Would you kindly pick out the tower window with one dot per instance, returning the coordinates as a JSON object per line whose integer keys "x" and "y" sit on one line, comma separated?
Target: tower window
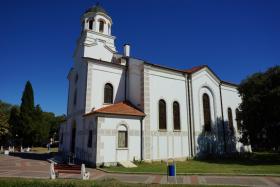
{"x": 108, "y": 93}
{"x": 90, "y": 24}
{"x": 101, "y": 26}
{"x": 206, "y": 112}
{"x": 162, "y": 114}
{"x": 176, "y": 115}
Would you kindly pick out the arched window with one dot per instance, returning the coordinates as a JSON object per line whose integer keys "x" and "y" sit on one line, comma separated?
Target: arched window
{"x": 90, "y": 24}
{"x": 162, "y": 114}
{"x": 122, "y": 137}
{"x": 108, "y": 93}
{"x": 230, "y": 120}
{"x": 101, "y": 26}
{"x": 176, "y": 116}
{"x": 75, "y": 97}
{"x": 206, "y": 112}
{"x": 238, "y": 119}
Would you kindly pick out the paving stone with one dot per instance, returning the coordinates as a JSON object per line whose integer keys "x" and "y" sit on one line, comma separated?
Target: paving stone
{"x": 232, "y": 180}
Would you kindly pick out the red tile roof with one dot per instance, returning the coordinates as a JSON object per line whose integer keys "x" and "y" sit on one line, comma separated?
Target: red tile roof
{"x": 121, "y": 108}
{"x": 194, "y": 69}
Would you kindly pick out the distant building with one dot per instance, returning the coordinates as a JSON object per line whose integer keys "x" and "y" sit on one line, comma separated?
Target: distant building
{"x": 124, "y": 108}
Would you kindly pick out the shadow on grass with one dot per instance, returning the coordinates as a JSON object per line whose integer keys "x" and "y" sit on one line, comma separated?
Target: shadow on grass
{"x": 249, "y": 159}
{"x": 33, "y": 156}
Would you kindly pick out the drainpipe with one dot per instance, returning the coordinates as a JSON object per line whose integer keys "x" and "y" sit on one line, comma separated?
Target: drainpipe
{"x": 141, "y": 138}
{"x": 190, "y": 116}
{"x": 223, "y": 121}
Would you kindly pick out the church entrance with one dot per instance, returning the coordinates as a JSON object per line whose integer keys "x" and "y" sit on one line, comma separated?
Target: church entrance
{"x": 73, "y": 138}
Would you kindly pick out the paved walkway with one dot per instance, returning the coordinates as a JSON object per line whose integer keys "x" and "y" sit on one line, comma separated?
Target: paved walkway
{"x": 36, "y": 166}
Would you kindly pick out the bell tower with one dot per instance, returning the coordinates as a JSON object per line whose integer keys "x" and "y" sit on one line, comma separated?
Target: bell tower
{"x": 96, "y": 40}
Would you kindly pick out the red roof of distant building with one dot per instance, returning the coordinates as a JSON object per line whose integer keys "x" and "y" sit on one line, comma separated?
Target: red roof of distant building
{"x": 121, "y": 108}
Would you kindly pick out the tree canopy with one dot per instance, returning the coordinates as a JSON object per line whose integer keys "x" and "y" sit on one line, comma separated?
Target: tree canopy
{"x": 27, "y": 125}
{"x": 260, "y": 109}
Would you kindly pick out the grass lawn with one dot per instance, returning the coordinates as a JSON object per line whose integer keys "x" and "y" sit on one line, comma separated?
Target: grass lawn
{"x": 16, "y": 182}
{"x": 43, "y": 149}
{"x": 257, "y": 163}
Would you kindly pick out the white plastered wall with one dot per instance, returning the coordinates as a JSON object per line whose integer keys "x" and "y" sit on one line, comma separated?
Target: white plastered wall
{"x": 169, "y": 86}
{"x": 99, "y": 75}
{"x": 107, "y": 140}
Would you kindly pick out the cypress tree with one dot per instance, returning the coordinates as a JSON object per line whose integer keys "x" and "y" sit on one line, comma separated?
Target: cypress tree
{"x": 27, "y": 99}
{"x": 26, "y": 114}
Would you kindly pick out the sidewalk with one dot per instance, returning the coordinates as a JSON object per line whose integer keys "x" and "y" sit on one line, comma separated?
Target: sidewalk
{"x": 19, "y": 166}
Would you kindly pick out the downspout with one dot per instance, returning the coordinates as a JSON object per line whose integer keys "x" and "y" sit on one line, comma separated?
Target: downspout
{"x": 141, "y": 138}
{"x": 190, "y": 116}
{"x": 223, "y": 121}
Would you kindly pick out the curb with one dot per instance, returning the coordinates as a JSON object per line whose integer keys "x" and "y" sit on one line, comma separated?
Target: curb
{"x": 199, "y": 174}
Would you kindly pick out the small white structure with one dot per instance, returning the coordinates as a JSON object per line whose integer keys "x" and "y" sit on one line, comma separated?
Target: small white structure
{"x": 121, "y": 108}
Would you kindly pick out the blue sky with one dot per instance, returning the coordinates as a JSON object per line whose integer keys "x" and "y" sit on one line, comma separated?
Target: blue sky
{"x": 37, "y": 39}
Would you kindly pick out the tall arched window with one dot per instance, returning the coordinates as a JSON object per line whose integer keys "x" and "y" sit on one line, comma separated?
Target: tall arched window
{"x": 238, "y": 119}
{"x": 162, "y": 114}
{"x": 90, "y": 24}
{"x": 230, "y": 120}
{"x": 108, "y": 93}
{"x": 206, "y": 112}
{"x": 101, "y": 26}
{"x": 176, "y": 116}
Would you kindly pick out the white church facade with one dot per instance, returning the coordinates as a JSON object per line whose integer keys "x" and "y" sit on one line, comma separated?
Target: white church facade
{"x": 121, "y": 108}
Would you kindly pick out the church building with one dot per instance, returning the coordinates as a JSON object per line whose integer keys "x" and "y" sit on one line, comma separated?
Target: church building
{"x": 122, "y": 108}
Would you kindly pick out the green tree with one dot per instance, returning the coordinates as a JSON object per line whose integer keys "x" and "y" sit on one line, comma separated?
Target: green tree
{"x": 4, "y": 125}
{"x": 40, "y": 127}
{"x": 260, "y": 109}
{"x": 15, "y": 126}
{"x": 26, "y": 113}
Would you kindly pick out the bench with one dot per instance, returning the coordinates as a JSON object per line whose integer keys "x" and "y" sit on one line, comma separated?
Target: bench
{"x": 56, "y": 169}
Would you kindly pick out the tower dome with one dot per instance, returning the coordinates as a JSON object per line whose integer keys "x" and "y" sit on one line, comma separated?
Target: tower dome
{"x": 97, "y": 8}
{"x": 96, "y": 19}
